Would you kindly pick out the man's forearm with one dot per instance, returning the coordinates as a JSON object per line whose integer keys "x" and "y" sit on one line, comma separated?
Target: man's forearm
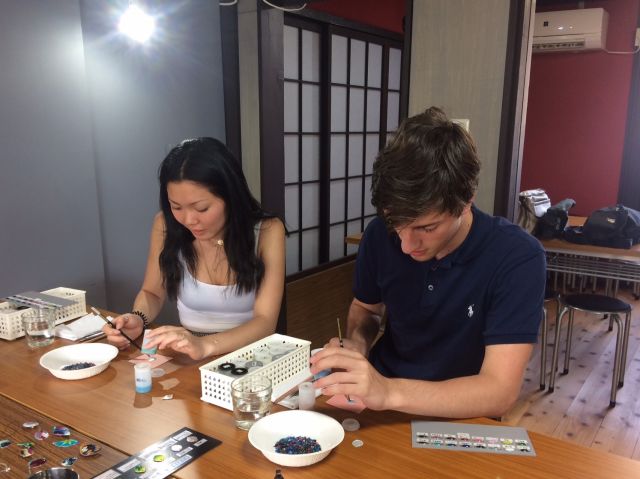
{"x": 491, "y": 392}
{"x": 471, "y": 396}
{"x": 363, "y": 326}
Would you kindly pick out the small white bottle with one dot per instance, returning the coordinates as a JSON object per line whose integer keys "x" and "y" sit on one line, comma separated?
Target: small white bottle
{"x": 143, "y": 377}
{"x": 306, "y": 396}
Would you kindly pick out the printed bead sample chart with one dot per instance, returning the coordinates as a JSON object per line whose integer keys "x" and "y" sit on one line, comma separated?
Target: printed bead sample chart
{"x": 454, "y": 436}
{"x": 164, "y": 457}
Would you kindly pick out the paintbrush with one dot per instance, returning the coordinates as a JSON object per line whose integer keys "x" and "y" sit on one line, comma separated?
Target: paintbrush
{"x": 342, "y": 346}
{"x": 106, "y": 320}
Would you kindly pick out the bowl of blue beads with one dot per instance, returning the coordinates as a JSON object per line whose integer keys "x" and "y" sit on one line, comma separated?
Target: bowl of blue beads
{"x": 78, "y": 361}
{"x": 296, "y": 438}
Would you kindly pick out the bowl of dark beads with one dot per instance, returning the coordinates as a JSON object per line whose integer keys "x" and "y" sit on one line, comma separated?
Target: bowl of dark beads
{"x": 78, "y": 361}
{"x": 296, "y": 438}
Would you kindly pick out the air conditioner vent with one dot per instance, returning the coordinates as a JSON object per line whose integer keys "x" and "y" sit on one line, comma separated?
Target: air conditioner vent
{"x": 574, "y": 45}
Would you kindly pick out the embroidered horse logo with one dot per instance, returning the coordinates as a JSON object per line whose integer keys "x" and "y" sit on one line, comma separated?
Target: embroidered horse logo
{"x": 470, "y": 310}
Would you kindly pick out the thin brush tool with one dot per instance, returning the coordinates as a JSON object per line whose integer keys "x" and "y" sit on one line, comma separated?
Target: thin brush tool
{"x": 97, "y": 313}
{"x": 342, "y": 346}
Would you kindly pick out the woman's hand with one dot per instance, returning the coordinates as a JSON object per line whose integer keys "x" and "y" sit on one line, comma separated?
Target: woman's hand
{"x": 178, "y": 339}
{"x": 129, "y": 324}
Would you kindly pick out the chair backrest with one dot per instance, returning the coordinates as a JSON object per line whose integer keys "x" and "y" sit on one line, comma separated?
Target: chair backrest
{"x": 314, "y": 302}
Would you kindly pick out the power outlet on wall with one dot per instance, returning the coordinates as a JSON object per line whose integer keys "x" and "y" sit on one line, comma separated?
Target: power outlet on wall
{"x": 463, "y": 122}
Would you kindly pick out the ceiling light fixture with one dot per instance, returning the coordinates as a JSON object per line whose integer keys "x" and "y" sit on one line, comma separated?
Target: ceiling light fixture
{"x": 136, "y": 24}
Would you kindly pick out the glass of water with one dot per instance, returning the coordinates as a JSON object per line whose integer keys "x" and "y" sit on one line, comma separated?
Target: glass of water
{"x": 38, "y": 325}
{"x": 251, "y": 398}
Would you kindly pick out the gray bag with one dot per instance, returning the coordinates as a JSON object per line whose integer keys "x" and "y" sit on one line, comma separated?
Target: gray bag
{"x": 533, "y": 205}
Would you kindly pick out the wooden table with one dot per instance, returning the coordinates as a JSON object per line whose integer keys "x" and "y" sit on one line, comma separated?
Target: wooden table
{"x": 14, "y": 415}
{"x": 106, "y": 408}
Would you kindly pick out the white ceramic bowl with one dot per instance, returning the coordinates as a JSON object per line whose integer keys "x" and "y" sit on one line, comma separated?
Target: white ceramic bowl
{"x": 264, "y": 434}
{"x": 98, "y": 353}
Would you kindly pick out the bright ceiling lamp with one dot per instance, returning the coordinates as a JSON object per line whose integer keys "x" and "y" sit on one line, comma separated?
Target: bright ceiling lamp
{"x": 136, "y": 24}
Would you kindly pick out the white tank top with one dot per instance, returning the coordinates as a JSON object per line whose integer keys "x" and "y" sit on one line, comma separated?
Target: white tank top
{"x": 210, "y": 308}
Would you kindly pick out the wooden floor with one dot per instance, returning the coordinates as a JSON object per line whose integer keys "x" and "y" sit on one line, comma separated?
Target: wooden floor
{"x": 578, "y": 410}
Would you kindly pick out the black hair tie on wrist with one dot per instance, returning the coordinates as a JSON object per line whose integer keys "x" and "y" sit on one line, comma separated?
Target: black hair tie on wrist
{"x": 143, "y": 317}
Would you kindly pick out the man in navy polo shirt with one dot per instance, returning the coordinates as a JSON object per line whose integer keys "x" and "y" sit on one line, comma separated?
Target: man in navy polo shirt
{"x": 462, "y": 290}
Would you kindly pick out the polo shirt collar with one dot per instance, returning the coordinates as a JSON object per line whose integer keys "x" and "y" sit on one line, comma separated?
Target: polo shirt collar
{"x": 472, "y": 244}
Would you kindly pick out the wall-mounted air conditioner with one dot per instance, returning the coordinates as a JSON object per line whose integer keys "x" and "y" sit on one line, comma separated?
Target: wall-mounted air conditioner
{"x": 570, "y": 30}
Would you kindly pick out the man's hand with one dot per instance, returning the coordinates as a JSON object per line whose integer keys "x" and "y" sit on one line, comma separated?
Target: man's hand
{"x": 358, "y": 377}
{"x": 353, "y": 345}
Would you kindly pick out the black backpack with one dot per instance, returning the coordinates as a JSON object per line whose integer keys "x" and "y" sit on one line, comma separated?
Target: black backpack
{"x": 613, "y": 227}
{"x": 553, "y": 222}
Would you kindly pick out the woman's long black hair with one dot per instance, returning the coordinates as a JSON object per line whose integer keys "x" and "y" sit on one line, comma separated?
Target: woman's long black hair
{"x": 208, "y": 162}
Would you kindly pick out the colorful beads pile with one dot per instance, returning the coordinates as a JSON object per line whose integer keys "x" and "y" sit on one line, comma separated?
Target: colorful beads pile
{"x": 73, "y": 367}
{"x": 297, "y": 445}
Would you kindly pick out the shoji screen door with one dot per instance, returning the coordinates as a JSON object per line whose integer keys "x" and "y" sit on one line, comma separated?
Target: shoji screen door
{"x": 341, "y": 101}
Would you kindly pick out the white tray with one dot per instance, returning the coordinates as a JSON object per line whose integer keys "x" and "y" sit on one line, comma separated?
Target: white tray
{"x": 11, "y": 318}
{"x": 285, "y": 372}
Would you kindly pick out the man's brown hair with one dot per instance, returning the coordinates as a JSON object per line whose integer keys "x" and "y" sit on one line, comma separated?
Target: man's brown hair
{"x": 430, "y": 165}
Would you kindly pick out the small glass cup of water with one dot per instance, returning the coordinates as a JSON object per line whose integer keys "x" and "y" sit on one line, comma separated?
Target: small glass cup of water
{"x": 251, "y": 398}
{"x": 38, "y": 325}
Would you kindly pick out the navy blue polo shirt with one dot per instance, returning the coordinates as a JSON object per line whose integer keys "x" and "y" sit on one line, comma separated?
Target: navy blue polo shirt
{"x": 442, "y": 313}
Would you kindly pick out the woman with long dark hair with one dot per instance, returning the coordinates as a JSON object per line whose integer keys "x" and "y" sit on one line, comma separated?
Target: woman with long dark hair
{"x": 215, "y": 251}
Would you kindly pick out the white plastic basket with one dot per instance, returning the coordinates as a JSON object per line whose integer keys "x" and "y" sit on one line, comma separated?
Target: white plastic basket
{"x": 285, "y": 373}
{"x": 10, "y": 317}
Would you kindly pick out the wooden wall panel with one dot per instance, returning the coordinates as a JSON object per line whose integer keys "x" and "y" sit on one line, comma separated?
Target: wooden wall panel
{"x": 314, "y": 302}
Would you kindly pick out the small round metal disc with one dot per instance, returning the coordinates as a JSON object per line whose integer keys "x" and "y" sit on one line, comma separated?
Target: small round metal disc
{"x": 357, "y": 443}
{"x": 90, "y": 449}
{"x": 176, "y": 448}
{"x": 350, "y": 424}
{"x": 69, "y": 461}
{"x": 157, "y": 372}
{"x": 30, "y": 424}
{"x": 192, "y": 439}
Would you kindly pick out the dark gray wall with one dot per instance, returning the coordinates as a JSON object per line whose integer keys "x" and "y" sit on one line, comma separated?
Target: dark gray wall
{"x": 97, "y": 113}
{"x": 144, "y": 100}
{"x": 50, "y": 232}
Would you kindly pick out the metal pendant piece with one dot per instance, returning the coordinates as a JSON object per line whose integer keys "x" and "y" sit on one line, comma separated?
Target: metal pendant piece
{"x": 90, "y": 449}
{"x": 69, "y": 461}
